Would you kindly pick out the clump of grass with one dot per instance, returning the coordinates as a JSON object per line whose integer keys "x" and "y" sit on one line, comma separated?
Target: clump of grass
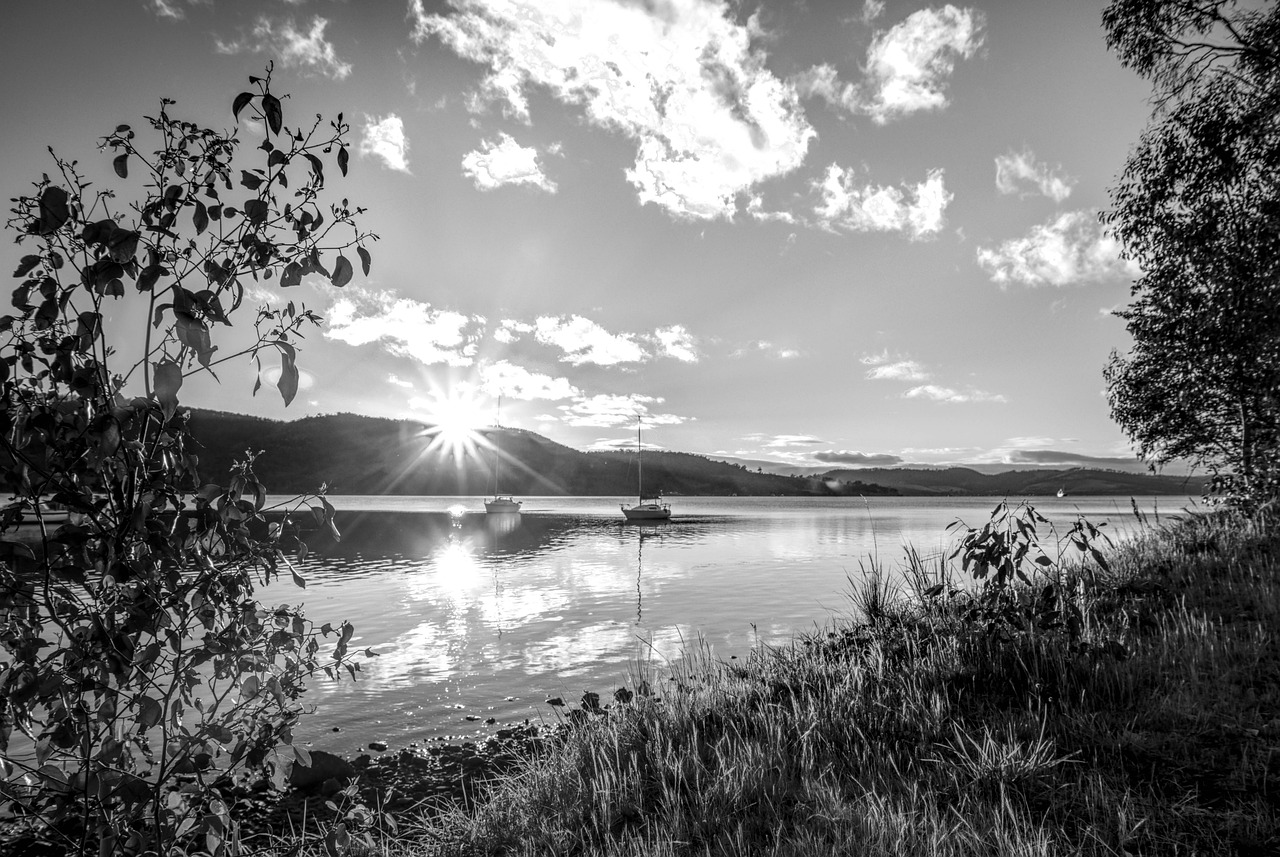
{"x": 1149, "y": 725}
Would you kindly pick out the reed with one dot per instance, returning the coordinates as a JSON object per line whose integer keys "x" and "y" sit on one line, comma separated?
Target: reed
{"x": 1152, "y": 726}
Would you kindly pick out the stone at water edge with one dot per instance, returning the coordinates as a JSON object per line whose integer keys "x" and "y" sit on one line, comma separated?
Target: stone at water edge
{"x": 324, "y": 767}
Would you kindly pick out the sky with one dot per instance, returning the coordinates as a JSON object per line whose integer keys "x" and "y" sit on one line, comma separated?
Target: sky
{"x": 823, "y": 233}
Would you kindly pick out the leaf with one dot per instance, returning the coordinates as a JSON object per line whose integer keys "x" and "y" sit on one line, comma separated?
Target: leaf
{"x": 25, "y": 265}
{"x": 343, "y": 157}
{"x": 316, "y": 166}
{"x": 200, "y": 217}
{"x": 249, "y": 180}
{"x": 341, "y": 272}
{"x": 242, "y": 100}
{"x": 256, "y": 210}
{"x": 291, "y": 276}
{"x": 167, "y": 381}
{"x": 271, "y": 109}
{"x": 149, "y": 276}
{"x": 121, "y": 165}
{"x": 287, "y": 384}
{"x": 54, "y": 211}
{"x": 365, "y": 259}
{"x": 277, "y": 157}
{"x": 150, "y": 712}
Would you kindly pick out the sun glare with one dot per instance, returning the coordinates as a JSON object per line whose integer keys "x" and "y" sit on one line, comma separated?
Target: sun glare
{"x": 453, "y": 419}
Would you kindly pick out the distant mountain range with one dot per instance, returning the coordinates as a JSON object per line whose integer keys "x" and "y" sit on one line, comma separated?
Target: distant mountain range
{"x": 354, "y": 454}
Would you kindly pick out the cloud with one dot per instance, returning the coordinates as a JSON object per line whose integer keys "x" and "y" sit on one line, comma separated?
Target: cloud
{"x": 504, "y": 162}
{"x": 908, "y": 66}
{"x": 167, "y": 9}
{"x": 676, "y": 341}
{"x": 884, "y": 368}
{"x": 295, "y": 48}
{"x": 783, "y": 441}
{"x": 403, "y": 327}
{"x": 584, "y": 341}
{"x": 872, "y": 9}
{"x": 507, "y": 379}
{"x": 769, "y": 349}
{"x": 946, "y": 394}
{"x": 1016, "y": 170}
{"x": 1073, "y": 459}
{"x": 385, "y": 139}
{"x": 679, "y": 78}
{"x": 399, "y": 382}
{"x": 1069, "y": 249}
{"x": 858, "y": 459}
{"x": 918, "y": 212}
{"x": 605, "y": 410}
{"x": 510, "y": 329}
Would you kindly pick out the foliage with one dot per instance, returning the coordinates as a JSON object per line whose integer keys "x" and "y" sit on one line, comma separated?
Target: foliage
{"x": 1197, "y": 207}
{"x": 1022, "y": 587}
{"x": 921, "y": 734}
{"x": 138, "y": 664}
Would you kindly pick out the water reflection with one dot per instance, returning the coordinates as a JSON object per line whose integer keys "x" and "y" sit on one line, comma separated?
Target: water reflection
{"x": 495, "y": 613}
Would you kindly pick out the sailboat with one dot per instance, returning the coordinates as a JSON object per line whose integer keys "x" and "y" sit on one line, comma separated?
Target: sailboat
{"x": 500, "y": 504}
{"x": 650, "y": 508}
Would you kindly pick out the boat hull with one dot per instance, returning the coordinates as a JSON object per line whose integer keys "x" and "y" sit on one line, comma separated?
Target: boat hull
{"x": 647, "y": 512}
{"x": 502, "y": 506}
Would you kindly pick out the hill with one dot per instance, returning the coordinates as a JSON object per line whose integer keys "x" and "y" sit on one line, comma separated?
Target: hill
{"x": 962, "y": 481}
{"x": 370, "y": 455}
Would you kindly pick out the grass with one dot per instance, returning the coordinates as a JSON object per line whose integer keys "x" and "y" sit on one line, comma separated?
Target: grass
{"x": 1149, "y": 724}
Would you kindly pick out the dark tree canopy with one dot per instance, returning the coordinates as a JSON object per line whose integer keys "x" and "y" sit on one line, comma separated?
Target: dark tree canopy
{"x": 1198, "y": 207}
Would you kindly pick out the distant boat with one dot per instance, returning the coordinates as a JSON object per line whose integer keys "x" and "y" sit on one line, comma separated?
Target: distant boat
{"x": 650, "y": 507}
{"x": 500, "y": 504}
{"x": 1062, "y": 492}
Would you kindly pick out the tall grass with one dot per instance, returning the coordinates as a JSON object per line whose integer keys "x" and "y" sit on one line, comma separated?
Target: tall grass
{"x": 1151, "y": 728}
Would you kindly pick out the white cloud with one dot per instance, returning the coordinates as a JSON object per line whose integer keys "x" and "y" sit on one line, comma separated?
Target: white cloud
{"x": 784, "y": 441}
{"x": 399, "y": 382}
{"x": 908, "y": 66}
{"x": 919, "y": 212}
{"x": 167, "y": 9}
{"x": 946, "y": 394}
{"x": 295, "y": 48}
{"x": 507, "y": 379}
{"x": 584, "y": 341}
{"x": 1071, "y": 248}
{"x": 1016, "y": 170}
{"x": 403, "y": 327}
{"x": 900, "y": 370}
{"x": 503, "y": 162}
{"x": 769, "y": 348}
{"x": 680, "y": 78}
{"x": 509, "y": 330}
{"x": 676, "y": 341}
{"x": 385, "y": 139}
{"x": 605, "y": 410}
{"x": 872, "y": 9}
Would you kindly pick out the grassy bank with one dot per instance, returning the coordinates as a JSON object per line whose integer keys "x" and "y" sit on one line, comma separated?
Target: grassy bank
{"x": 1132, "y": 710}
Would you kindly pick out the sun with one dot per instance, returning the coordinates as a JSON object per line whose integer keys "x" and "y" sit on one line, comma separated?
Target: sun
{"x": 454, "y": 418}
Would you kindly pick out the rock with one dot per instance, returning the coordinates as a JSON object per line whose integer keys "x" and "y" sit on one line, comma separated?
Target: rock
{"x": 378, "y": 746}
{"x": 324, "y": 767}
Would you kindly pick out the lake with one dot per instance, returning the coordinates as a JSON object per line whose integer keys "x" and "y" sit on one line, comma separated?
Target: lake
{"x": 481, "y": 618}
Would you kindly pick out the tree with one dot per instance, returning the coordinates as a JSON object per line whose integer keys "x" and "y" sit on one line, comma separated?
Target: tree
{"x": 137, "y": 661}
{"x": 1198, "y": 207}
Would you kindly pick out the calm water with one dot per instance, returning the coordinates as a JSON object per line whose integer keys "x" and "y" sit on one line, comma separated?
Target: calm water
{"x": 476, "y": 617}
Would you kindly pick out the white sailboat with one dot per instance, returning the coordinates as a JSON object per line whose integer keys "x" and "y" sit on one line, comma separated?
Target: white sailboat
{"x": 651, "y": 507}
{"x": 500, "y": 504}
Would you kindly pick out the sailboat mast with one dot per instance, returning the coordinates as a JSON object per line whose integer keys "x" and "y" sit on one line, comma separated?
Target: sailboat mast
{"x": 639, "y": 461}
{"x": 497, "y": 448}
